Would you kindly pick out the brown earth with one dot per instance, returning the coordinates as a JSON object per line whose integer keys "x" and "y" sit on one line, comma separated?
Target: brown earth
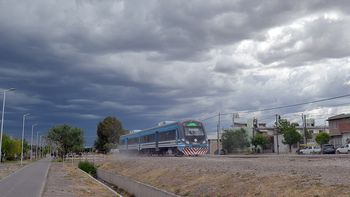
{"x": 10, "y": 167}
{"x": 68, "y": 181}
{"x": 223, "y": 176}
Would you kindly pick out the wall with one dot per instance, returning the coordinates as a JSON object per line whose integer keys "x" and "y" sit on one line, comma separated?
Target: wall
{"x": 283, "y": 148}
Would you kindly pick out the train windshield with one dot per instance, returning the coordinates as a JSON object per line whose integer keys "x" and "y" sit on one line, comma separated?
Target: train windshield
{"x": 193, "y": 129}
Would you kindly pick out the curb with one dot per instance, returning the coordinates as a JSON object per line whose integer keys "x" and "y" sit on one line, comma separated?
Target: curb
{"x": 44, "y": 184}
{"x": 117, "y": 194}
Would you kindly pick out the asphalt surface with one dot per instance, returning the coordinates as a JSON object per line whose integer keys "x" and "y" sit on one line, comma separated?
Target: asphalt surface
{"x": 28, "y": 181}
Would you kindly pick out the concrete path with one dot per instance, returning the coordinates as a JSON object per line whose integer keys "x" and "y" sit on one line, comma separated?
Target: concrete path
{"x": 28, "y": 181}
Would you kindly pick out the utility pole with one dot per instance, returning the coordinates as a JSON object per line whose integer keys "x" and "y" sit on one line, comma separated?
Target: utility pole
{"x": 233, "y": 121}
{"x": 234, "y": 115}
{"x": 303, "y": 117}
{"x": 24, "y": 118}
{"x": 255, "y": 126}
{"x": 277, "y": 133}
{"x": 31, "y": 143}
{"x": 218, "y": 134}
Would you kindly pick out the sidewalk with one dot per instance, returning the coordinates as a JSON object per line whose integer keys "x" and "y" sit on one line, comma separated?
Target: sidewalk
{"x": 28, "y": 181}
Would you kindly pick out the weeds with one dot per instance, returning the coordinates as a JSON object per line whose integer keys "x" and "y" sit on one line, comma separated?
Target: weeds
{"x": 88, "y": 167}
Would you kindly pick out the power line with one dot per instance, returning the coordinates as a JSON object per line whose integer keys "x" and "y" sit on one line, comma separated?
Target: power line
{"x": 281, "y": 107}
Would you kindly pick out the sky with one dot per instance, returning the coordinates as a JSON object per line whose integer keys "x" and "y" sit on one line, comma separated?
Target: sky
{"x": 76, "y": 62}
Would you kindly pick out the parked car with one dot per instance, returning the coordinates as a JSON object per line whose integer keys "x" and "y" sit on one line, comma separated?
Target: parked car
{"x": 343, "y": 149}
{"x": 310, "y": 150}
{"x": 328, "y": 149}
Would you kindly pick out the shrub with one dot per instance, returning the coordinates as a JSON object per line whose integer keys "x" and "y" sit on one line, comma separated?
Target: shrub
{"x": 88, "y": 167}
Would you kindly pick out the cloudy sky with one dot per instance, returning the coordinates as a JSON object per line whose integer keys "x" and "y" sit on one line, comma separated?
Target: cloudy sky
{"x": 77, "y": 62}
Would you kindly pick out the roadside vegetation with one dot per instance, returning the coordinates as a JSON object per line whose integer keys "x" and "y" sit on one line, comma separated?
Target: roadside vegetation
{"x": 108, "y": 133}
{"x": 88, "y": 167}
{"x": 322, "y": 138}
{"x": 235, "y": 140}
{"x": 289, "y": 132}
{"x": 66, "y": 139}
{"x": 12, "y": 147}
{"x": 259, "y": 140}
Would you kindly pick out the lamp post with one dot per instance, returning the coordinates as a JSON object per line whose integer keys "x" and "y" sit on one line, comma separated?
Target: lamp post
{"x": 2, "y": 119}
{"x": 41, "y": 147}
{"x": 31, "y": 142}
{"x": 37, "y": 144}
{"x": 24, "y": 118}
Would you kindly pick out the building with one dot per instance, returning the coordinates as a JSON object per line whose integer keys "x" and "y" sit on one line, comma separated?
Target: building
{"x": 252, "y": 127}
{"x": 310, "y": 122}
{"x": 339, "y": 129}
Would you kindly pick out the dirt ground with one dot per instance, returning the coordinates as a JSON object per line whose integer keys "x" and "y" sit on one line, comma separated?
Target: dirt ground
{"x": 224, "y": 176}
{"x": 9, "y": 168}
{"x": 68, "y": 181}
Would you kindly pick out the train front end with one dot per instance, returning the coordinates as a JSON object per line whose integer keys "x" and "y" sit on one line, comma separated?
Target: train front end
{"x": 193, "y": 140}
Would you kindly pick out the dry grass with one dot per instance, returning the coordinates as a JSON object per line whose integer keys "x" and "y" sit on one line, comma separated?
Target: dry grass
{"x": 85, "y": 186}
{"x": 186, "y": 180}
{"x": 9, "y": 168}
{"x": 67, "y": 180}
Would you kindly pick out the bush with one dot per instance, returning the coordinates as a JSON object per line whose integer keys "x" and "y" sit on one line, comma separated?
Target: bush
{"x": 88, "y": 167}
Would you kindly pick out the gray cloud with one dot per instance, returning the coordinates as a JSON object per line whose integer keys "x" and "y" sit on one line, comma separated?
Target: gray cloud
{"x": 79, "y": 61}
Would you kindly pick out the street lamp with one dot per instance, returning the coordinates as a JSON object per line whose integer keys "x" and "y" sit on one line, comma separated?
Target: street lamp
{"x": 24, "y": 118}
{"x": 37, "y": 144}
{"x": 41, "y": 147}
{"x": 2, "y": 118}
{"x": 31, "y": 143}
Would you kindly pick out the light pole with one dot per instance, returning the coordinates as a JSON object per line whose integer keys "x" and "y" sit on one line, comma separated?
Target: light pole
{"x": 2, "y": 118}
{"x": 37, "y": 143}
{"x": 24, "y": 118}
{"x": 31, "y": 143}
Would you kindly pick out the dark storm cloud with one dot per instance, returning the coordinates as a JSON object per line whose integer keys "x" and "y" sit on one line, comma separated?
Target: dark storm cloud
{"x": 79, "y": 61}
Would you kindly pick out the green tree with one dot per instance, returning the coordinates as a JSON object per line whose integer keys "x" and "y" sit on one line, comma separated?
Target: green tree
{"x": 233, "y": 139}
{"x": 66, "y": 138}
{"x": 11, "y": 148}
{"x": 108, "y": 133}
{"x": 289, "y": 132}
{"x": 260, "y": 140}
{"x": 322, "y": 138}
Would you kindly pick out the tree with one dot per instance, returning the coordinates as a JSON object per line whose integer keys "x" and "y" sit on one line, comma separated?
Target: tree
{"x": 322, "y": 138}
{"x": 11, "y": 148}
{"x": 108, "y": 133}
{"x": 289, "y": 132}
{"x": 232, "y": 139}
{"x": 260, "y": 140}
{"x": 66, "y": 138}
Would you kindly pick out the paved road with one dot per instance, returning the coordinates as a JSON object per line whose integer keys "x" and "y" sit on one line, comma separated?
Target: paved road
{"x": 28, "y": 181}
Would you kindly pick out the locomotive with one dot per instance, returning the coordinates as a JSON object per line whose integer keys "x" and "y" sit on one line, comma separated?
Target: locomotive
{"x": 173, "y": 138}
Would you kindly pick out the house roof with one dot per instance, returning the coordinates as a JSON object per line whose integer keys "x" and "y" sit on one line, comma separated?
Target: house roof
{"x": 338, "y": 117}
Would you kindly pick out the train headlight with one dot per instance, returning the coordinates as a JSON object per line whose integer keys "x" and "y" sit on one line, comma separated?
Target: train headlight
{"x": 187, "y": 142}
{"x": 195, "y": 139}
{"x": 183, "y": 139}
{"x": 204, "y": 142}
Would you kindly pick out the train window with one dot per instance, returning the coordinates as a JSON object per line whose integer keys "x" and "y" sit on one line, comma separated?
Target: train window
{"x": 168, "y": 135}
{"x": 147, "y": 138}
{"x": 193, "y": 131}
{"x": 133, "y": 140}
{"x": 151, "y": 138}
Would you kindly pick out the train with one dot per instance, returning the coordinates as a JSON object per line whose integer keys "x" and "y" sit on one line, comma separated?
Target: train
{"x": 168, "y": 138}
